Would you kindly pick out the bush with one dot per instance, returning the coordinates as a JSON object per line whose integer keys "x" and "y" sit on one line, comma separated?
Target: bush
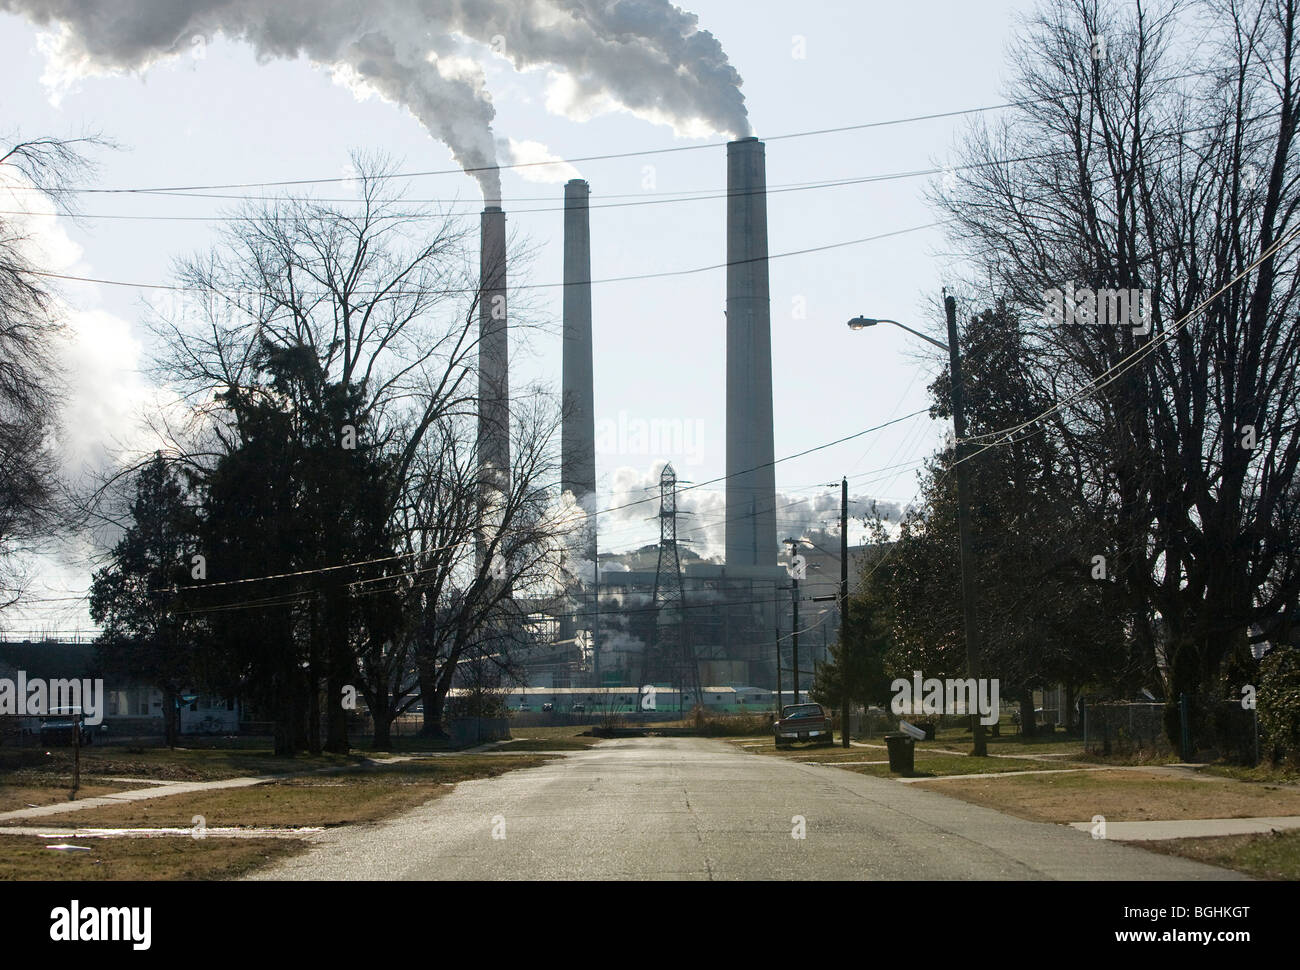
{"x": 714, "y": 725}
{"x": 1278, "y": 702}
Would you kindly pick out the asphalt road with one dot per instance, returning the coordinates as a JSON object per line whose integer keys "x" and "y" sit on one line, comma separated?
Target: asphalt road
{"x": 688, "y": 808}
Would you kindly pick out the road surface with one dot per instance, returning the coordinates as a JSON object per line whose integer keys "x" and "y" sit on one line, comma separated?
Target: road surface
{"x": 691, "y": 808}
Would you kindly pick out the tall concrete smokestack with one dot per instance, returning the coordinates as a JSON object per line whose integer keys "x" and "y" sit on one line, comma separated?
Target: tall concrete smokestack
{"x": 493, "y": 351}
{"x": 578, "y": 430}
{"x": 578, "y": 423}
{"x": 751, "y": 538}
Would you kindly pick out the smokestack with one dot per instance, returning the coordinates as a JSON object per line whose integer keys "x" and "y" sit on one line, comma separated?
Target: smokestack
{"x": 493, "y": 352}
{"x": 578, "y": 431}
{"x": 751, "y": 475}
{"x": 578, "y": 423}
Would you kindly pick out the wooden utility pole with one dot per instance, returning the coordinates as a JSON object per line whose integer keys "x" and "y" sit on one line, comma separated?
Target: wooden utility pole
{"x": 961, "y": 450}
{"x": 76, "y": 753}
{"x": 776, "y": 632}
{"x": 844, "y": 611}
{"x": 794, "y": 626}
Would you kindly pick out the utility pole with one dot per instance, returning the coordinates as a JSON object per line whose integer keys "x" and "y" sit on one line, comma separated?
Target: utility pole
{"x": 776, "y": 632}
{"x": 795, "y": 569}
{"x": 595, "y": 621}
{"x": 971, "y": 622}
{"x": 844, "y": 611}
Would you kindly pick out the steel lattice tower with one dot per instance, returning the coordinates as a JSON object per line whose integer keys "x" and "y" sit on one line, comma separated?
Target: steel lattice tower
{"x": 670, "y": 655}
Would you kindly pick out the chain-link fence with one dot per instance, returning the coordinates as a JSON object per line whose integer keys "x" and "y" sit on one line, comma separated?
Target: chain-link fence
{"x": 1124, "y": 727}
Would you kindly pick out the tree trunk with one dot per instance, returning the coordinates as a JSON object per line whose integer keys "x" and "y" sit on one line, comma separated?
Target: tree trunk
{"x": 336, "y": 634}
{"x": 313, "y": 683}
{"x": 1028, "y": 725}
{"x": 383, "y": 731}
{"x": 432, "y": 702}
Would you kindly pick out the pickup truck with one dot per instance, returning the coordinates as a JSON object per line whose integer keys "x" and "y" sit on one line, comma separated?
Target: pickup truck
{"x": 803, "y": 722}
{"x": 62, "y": 727}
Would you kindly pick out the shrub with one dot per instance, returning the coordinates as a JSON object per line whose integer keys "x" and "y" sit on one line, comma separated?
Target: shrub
{"x": 1278, "y": 702}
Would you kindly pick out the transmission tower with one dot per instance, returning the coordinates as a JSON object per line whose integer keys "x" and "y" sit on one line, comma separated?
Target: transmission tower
{"x": 670, "y": 656}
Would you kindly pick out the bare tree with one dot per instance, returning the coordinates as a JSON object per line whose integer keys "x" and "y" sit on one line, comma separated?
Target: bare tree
{"x": 30, "y": 328}
{"x": 477, "y": 581}
{"x": 1136, "y": 163}
{"x": 330, "y": 355}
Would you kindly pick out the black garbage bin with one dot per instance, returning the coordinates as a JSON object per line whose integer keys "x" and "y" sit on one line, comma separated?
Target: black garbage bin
{"x": 902, "y": 753}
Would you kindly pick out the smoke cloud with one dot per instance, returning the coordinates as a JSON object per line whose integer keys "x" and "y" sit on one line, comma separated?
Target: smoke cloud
{"x": 702, "y": 527}
{"x": 646, "y": 55}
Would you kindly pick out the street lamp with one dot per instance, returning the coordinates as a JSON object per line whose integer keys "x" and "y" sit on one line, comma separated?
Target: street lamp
{"x": 963, "y": 491}
{"x": 861, "y": 323}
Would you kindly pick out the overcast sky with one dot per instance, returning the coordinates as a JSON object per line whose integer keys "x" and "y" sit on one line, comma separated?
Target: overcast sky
{"x": 218, "y": 115}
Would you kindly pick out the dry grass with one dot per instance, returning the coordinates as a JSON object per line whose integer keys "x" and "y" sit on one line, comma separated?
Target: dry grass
{"x": 1272, "y": 856}
{"x": 182, "y": 764}
{"x": 362, "y": 795}
{"x": 934, "y": 766}
{"x": 135, "y": 859}
{"x": 18, "y": 792}
{"x": 1122, "y": 795}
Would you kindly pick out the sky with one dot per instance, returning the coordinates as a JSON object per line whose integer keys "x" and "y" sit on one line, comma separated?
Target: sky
{"x": 219, "y": 114}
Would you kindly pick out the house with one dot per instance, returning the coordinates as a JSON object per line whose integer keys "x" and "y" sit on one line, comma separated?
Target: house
{"x": 131, "y": 707}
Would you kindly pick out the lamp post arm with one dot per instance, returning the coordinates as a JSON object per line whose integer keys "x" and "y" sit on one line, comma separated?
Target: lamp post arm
{"x": 938, "y": 343}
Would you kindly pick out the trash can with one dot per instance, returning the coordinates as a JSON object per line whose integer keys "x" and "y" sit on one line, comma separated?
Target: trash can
{"x": 902, "y": 753}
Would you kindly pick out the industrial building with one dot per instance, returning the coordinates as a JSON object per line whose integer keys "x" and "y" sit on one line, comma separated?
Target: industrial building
{"x": 658, "y": 615}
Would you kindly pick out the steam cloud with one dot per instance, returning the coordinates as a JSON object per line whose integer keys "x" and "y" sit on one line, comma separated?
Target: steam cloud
{"x": 646, "y": 55}
{"x": 634, "y": 495}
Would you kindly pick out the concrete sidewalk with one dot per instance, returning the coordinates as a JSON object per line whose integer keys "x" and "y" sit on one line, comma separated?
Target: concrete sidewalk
{"x": 164, "y": 789}
{"x": 1192, "y": 828}
{"x": 137, "y": 795}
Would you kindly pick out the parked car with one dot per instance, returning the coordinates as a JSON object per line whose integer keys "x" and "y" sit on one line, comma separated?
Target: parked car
{"x": 803, "y": 722}
{"x": 59, "y": 727}
{"x": 579, "y": 708}
{"x": 547, "y": 708}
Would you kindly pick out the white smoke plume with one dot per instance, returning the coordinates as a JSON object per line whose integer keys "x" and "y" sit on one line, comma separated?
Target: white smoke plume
{"x": 538, "y": 164}
{"x": 634, "y": 500}
{"x": 647, "y": 55}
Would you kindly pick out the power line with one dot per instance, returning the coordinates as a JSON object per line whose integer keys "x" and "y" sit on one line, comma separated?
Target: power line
{"x": 522, "y": 286}
{"x": 608, "y": 156}
{"x": 863, "y": 126}
{"x": 1127, "y": 363}
{"x": 700, "y": 195}
{"x": 777, "y": 461}
{"x": 352, "y": 565}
